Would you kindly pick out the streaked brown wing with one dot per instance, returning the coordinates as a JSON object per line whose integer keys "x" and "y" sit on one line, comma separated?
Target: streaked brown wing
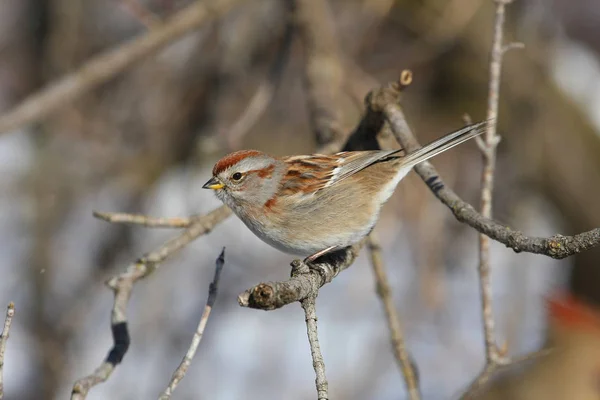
{"x": 309, "y": 174}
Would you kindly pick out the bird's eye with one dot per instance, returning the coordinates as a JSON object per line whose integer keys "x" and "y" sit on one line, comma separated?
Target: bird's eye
{"x": 237, "y": 176}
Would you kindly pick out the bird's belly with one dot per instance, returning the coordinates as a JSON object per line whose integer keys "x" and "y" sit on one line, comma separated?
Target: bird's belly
{"x": 299, "y": 237}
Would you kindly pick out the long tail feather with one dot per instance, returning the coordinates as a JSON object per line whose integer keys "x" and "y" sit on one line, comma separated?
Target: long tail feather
{"x": 445, "y": 143}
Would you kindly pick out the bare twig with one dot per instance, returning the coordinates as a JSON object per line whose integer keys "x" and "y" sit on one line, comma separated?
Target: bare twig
{"x": 10, "y": 312}
{"x": 383, "y": 106}
{"x": 397, "y": 337}
{"x": 490, "y": 141}
{"x": 310, "y": 314}
{"x": 187, "y": 359}
{"x": 144, "y": 220}
{"x": 110, "y": 63}
{"x": 122, "y": 285}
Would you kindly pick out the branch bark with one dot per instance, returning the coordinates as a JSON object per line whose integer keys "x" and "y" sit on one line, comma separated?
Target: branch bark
{"x": 304, "y": 282}
{"x": 180, "y": 372}
{"x": 310, "y": 316}
{"x": 383, "y": 106}
{"x": 110, "y": 63}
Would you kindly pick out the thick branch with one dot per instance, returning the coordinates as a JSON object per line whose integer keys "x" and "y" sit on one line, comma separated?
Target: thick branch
{"x": 304, "y": 282}
{"x": 10, "y": 312}
{"x": 122, "y": 285}
{"x": 180, "y": 372}
{"x": 383, "y": 103}
{"x": 109, "y": 64}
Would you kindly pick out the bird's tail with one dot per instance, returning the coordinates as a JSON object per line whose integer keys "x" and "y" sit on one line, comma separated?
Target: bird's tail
{"x": 447, "y": 142}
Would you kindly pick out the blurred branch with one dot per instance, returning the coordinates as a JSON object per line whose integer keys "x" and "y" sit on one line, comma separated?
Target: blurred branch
{"x": 264, "y": 94}
{"x": 490, "y": 369}
{"x": 122, "y": 286}
{"x": 180, "y": 372}
{"x": 141, "y": 13}
{"x": 144, "y": 220}
{"x": 383, "y": 106}
{"x": 323, "y": 69}
{"x": 10, "y": 312}
{"x": 110, "y": 63}
{"x": 395, "y": 326}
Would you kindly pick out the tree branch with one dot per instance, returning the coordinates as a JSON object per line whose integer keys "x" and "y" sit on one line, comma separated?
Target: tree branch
{"x": 383, "y": 105}
{"x": 122, "y": 285}
{"x": 110, "y": 63}
{"x": 488, "y": 150}
{"x": 303, "y": 283}
{"x": 10, "y": 312}
{"x": 144, "y": 220}
{"x": 180, "y": 372}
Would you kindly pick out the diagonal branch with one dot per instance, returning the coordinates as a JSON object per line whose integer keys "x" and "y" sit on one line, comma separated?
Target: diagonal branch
{"x": 383, "y": 106}
{"x": 384, "y": 291}
{"x": 180, "y": 372}
{"x": 122, "y": 286}
{"x": 10, "y": 312}
{"x": 110, "y": 63}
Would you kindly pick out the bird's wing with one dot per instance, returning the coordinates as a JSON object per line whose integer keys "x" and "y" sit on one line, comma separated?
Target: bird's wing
{"x": 309, "y": 174}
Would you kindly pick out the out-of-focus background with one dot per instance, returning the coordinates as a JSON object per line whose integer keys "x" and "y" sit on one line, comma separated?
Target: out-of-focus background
{"x": 145, "y": 141}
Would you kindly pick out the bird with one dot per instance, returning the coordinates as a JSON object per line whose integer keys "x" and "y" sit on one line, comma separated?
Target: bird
{"x": 310, "y": 205}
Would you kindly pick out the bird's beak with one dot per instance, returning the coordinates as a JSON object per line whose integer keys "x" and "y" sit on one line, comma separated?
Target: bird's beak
{"x": 213, "y": 184}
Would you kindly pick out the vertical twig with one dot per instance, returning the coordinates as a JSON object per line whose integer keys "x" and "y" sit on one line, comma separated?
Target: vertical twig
{"x": 10, "y": 312}
{"x": 180, "y": 372}
{"x": 397, "y": 338}
{"x": 310, "y": 314}
{"x": 488, "y": 149}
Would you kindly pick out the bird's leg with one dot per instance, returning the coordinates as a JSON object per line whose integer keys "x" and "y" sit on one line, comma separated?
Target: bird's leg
{"x": 310, "y": 259}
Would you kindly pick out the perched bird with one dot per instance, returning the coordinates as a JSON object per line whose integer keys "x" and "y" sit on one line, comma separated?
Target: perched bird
{"x": 310, "y": 205}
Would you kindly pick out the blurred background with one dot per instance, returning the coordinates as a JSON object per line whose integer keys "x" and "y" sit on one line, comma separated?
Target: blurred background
{"x": 146, "y": 141}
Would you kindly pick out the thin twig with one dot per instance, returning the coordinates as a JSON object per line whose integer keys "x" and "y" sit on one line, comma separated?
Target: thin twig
{"x": 395, "y": 326}
{"x": 180, "y": 372}
{"x": 122, "y": 286}
{"x": 10, "y": 312}
{"x": 110, "y": 63}
{"x": 383, "y": 107}
{"x": 310, "y": 315}
{"x": 144, "y": 220}
{"x": 490, "y": 141}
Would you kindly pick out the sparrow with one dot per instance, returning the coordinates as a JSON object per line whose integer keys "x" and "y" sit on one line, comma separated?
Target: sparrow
{"x": 310, "y": 205}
